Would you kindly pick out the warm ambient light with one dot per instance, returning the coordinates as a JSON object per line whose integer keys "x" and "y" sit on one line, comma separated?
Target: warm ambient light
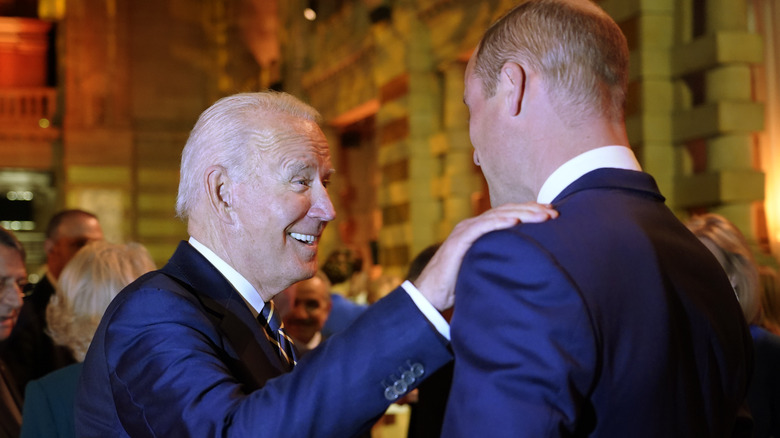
{"x": 24, "y": 195}
{"x": 44, "y": 123}
{"x": 309, "y": 14}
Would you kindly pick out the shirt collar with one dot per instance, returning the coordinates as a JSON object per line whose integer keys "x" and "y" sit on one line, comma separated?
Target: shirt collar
{"x": 314, "y": 341}
{"x": 616, "y": 157}
{"x": 241, "y": 284}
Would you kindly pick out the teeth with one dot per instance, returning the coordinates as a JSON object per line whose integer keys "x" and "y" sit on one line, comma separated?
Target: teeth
{"x": 306, "y": 238}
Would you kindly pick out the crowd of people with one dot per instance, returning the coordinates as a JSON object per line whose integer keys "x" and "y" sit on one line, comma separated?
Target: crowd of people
{"x": 578, "y": 305}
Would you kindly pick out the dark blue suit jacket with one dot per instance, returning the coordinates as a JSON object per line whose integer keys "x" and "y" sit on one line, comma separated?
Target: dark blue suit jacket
{"x": 764, "y": 393}
{"x": 612, "y": 321}
{"x": 178, "y": 353}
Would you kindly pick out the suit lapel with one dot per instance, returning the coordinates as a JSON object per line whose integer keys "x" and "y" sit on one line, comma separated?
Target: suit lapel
{"x": 226, "y": 308}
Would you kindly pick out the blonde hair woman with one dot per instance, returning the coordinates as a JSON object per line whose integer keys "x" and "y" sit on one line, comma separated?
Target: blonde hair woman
{"x": 729, "y": 246}
{"x": 86, "y": 286}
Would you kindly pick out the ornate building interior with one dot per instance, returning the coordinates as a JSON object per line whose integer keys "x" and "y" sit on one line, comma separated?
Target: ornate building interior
{"x": 97, "y": 99}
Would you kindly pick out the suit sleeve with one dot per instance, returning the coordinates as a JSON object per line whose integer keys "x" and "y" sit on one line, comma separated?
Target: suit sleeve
{"x": 37, "y": 416}
{"x": 525, "y": 351}
{"x": 169, "y": 376}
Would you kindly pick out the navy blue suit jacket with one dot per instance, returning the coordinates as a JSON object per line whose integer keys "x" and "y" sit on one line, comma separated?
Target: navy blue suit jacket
{"x": 178, "y": 353}
{"x": 612, "y": 321}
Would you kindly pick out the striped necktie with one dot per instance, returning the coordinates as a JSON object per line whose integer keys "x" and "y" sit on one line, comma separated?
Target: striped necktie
{"x": 274, "y": 331}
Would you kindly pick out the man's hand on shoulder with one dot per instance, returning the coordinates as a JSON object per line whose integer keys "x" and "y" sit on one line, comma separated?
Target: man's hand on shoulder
{"x": 437, "y": 280}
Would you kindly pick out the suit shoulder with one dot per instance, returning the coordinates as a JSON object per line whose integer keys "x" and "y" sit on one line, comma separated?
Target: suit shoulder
{"x": 152, "y": 294}
{"x": 518, "y": 240}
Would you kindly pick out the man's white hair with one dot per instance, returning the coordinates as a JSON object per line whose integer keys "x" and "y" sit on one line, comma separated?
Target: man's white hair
{"x": 224, "y": 133}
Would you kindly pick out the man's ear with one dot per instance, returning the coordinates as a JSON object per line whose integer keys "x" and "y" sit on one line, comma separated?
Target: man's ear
{"x": 219, "y": 190}
{"x": 513, "y": 82}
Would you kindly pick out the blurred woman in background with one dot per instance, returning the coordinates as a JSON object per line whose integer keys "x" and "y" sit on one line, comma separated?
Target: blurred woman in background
{"x": 729, "y": 246}
{"x": 87, "y": 285}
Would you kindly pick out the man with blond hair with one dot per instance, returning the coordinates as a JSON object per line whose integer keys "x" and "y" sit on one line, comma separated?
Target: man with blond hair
{"x": 612, "y": 320}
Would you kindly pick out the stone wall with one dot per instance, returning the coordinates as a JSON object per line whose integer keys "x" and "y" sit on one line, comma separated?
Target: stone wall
{"x": 690, "y": 113}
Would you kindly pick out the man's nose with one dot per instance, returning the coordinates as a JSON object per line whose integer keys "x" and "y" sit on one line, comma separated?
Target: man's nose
{"x": 12, "y": 297}
{"x": 322, "y": 207}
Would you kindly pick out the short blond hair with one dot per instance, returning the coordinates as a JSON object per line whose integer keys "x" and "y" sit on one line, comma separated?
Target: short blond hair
{"x": 732, "y": 251}
{"x": 85, "y": 288}
{"x": 578, "y": 49}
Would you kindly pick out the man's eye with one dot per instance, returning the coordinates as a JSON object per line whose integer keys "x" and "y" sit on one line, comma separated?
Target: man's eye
{"x": 325, "y": 183}
{"x": 303, "y": 182}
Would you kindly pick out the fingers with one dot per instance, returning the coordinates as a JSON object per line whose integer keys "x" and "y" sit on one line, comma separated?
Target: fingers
{"x": 437, "y": 281}
{"x": 501, "y": 217}
{"x": 527, "y": 212}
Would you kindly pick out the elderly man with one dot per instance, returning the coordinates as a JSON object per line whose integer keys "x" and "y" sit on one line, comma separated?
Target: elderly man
{"x": 180, "y": 352}
{"x": 13, "y": 281}
{"x": 30, "y": 353}
{"x": 310, "y": 307}
{"x": 613, "y": 320}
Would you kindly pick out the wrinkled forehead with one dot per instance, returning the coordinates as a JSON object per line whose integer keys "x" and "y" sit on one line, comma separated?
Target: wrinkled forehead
{"x": 293, "y": 139}
{"x": 11, "y": 262}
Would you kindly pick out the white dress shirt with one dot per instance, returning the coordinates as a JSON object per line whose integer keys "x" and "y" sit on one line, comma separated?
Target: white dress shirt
{"x": 256, "y": 303}
{"x": 615, "y": 157}
{"x": 248, "y": 292}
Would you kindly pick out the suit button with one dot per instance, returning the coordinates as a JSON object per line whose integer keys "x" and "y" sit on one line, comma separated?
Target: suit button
{"x": 400, "y": 387}
{"x": 390, "y": 394}
{"x": 408, "y": 377}
{"x": 417, "y": 369}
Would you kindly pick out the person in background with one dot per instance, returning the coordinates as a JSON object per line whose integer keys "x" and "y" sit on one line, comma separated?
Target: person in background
{"x": 310, "y": 308}
{"x": 340, "y": 268}
{"x": 181, "y": 351}
{"x": 87, "y": 285}
{"x": 770, "y": 299}
{"x": 612, "y": 320}
{"x": 13, "y": 283}
{"x": 729, "y": 246}
{"x": 31, "y": 353}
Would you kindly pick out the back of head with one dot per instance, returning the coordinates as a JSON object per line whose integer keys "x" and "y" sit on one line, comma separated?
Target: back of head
{"x": 577, "y": 48}
{"x": 729, "y": 246}
{"x": 340, "y": 265}
{"x": 421, "y": 261}
{"x": 225, "y": 133}
{"x": 95, "y": 275}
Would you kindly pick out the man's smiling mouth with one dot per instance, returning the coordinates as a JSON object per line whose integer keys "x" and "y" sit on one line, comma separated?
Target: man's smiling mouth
{"x": 305, "y": 238}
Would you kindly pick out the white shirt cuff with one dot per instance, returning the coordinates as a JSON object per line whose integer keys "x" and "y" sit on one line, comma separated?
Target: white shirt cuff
{"x": 427, "y": 309}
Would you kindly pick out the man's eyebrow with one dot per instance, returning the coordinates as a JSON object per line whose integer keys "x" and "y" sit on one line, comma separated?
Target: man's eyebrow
{"x": 296, "y": 165}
